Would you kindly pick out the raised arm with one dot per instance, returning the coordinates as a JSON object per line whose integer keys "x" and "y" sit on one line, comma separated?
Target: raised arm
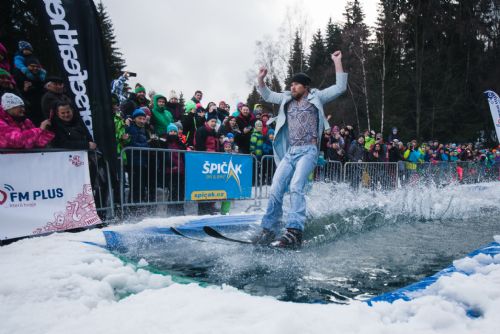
{"x": 331, "y": 93}
{"x": 267, "y": 94}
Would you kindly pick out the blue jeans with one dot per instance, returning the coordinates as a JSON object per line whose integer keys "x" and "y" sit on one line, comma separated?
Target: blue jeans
{"x": 294, "y": 169}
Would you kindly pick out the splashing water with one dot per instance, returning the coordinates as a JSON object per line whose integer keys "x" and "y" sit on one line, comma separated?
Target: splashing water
{"x": 362, "y": 244}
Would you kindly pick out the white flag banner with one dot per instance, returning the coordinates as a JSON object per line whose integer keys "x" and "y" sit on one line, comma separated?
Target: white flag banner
{"x": 45, "y": 192}
{"x": 494, "y": 102}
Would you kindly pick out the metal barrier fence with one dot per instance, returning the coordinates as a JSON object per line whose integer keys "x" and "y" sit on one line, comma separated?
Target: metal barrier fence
{"x": 157, "y": 177}
{"x": 330, "y": 172}
{"x": 102, "y": 185}
{"x": 100, "y": 179}
{"x": 443, "y": 173}
{"x": 372, "y": 175}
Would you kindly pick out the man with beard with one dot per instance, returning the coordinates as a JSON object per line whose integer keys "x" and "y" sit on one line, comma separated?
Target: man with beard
{"x": 299, "y": 127}
{"x": 245, "y": 121}
{"x": 31, "y": 86}
{"x": 55, "y": 93}
{"x": 135, "y": 100}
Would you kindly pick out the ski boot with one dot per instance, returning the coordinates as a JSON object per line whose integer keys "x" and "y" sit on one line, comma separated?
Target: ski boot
{"x": 263, "y": 237}
{"x": 291, "y": 239}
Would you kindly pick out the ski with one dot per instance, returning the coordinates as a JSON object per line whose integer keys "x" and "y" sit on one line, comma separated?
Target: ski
{"x": 215, "y": 234}
{"x": 179, "y": 233}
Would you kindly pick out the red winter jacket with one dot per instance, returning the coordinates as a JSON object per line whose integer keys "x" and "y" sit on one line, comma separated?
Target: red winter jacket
{"x": 206, "y": 139}
{"x": 21, "y": 134}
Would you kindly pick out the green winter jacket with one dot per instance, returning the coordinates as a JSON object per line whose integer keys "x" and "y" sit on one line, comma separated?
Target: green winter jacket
{"x": 369, "y": 141}
{"x": 119, "y": 132}
{"x": 161, "y": 116}
{"x": 257, "y": 143}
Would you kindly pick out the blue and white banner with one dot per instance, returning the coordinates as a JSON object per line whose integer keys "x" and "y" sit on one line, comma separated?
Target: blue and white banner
{"x": 45, "y": 192}
{"x": 494, "y": 102}
{"x": 213, "y": 176}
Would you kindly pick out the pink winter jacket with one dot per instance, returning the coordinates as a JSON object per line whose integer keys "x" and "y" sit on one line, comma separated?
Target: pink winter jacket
{"x": 21, "y": 135}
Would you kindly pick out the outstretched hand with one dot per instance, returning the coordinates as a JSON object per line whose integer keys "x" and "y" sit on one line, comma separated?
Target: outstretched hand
{"x": 337, "y": 56}
{"x": 337, "y": 60}
{"x": 262, "y": 73}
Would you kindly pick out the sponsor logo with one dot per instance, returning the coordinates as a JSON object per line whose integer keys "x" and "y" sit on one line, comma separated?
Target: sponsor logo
{"x": 224, "y": 169}
{"x": 206, "y": 195}
{"x": 66, "y": 40}
{"x": 12, "y": 198}
{"x": 76, "y": 160}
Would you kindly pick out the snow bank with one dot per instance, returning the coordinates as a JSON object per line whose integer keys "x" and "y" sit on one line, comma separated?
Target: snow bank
{"x": 57, "y": 284}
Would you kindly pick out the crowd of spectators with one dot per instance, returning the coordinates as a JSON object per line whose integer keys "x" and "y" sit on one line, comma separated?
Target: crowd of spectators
{"x": 344, "y": 145}
{"x": 35, "y": 112}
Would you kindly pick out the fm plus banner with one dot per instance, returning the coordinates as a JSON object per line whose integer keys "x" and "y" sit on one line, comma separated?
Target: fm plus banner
{"x": 212, "y": 176}
{"x": 75, "y": 39}
{"x": 45, "y": 192}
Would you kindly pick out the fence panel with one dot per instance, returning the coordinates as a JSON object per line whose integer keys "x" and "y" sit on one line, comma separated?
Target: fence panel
{"x": 155, "y": 176}
{"x": 372, "y": 175}
{"x": 102, "y": 186}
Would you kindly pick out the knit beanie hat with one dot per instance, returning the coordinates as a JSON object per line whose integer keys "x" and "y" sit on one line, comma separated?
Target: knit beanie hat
{"x": 4, "y": 73}
{"x": 190, "y": 105}
{"x": 258, "y": 124}
{"x": 302, "y": 79}
{"x": 23, "y": 45}
{"x": 230, "y": 135}
{"x": 211, "y": 116}
{"x": 178, "y": 125}
{"x": 172, "y": 95}
{"x": 138, "y": 112}
{"x": 140, "y": 89}
{"x": 10, "y": 101}
{"x": 32, "y": 61}
{"x": 172, "y": 127}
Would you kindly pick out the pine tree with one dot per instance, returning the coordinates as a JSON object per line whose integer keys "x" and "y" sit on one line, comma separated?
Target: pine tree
{"x": 333, "y": 38}
{"x": 275, "y": 84}
{"x": 114, "y": 58}
{"x": 297, "y": 62}
{"x": 253, "y": 98}
{"x": 333, "y": 42}
{"x": 355, "y": 38}
{"x": 318, "y": 61}
{"x": 181, "y": 99}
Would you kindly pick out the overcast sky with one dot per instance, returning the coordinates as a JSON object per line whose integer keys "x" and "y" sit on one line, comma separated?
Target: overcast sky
{"x": 209, "y": 45}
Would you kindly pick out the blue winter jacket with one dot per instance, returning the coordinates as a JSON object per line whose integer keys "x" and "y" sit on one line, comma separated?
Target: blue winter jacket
{"x": 317, "y": 97}
{"x": 138, "y": 138}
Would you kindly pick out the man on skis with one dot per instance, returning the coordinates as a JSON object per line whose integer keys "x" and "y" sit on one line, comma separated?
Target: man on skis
{"x": 299, "y": 127}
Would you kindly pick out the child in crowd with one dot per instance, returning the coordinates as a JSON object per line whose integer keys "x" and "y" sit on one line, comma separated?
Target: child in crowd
{"x": 228, "y": 146}
{"x": 25, "y": 50}
{"x": 267, "y": 147}
{"x": 257, "y": 140}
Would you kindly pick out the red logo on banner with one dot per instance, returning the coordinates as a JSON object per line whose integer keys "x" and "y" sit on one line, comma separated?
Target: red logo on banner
{"x": 75, "y": 160}
{"x": 3, "y": 197}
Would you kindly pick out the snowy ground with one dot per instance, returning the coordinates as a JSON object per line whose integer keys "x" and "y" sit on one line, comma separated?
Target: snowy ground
{"x": 57, "y": 284}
